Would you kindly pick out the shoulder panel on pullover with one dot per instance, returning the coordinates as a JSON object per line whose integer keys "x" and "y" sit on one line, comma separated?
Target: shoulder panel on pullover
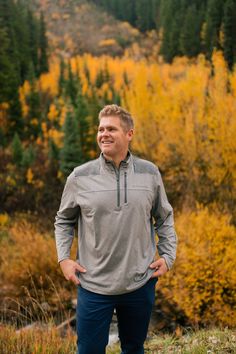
{"x": 144, "y": 166}
{"x": 88, "y": 169}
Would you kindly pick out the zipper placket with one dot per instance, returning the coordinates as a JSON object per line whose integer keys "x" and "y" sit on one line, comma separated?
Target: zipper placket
{"x": 125, "y": 175}
{"x": 118, "y": 187}
{"x": 117, "y": 172}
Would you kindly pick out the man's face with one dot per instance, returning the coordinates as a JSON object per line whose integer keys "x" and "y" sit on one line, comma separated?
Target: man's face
{"x": 112, "y": 138}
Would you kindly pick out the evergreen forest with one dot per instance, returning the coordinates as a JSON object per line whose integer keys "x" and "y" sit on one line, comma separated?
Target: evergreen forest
{"x": 186, "y": 28}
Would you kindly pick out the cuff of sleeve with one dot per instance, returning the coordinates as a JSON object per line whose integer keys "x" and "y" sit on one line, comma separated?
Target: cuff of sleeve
{"x": 168, "y": 263}
{"x": 62, "y": 259}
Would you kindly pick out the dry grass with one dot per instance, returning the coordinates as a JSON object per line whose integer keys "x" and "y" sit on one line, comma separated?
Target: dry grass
{"x": 41, "y": 340}
{"x": 36, "y": 340}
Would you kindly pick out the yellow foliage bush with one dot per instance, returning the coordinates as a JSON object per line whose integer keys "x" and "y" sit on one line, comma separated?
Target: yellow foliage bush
{"x": 53, "y": 112}
{"x": 107, "y": 42}
{"x": 4, "y": 106}
{"x": 29, "y": 267}
{"x": 203, "y": 280}
{"x": 29, "y": 176}
{"x": 4, "y": 219}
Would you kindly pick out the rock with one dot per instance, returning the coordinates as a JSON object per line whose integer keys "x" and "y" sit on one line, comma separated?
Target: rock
{"x": 45, "y": 306}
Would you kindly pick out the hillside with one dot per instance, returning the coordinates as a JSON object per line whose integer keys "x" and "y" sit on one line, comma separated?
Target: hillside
{"x": 79, "y": 26}
{"x": 188, "y": 27}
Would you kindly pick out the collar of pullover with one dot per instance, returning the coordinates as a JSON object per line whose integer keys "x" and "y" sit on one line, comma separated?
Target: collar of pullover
{"x": 110, "y": 165}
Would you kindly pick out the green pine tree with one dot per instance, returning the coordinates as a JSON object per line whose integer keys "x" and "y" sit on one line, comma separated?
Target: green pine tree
{"x": 16, "y": 123}
{"x": 18, "y": 53}
{"x": 81, "y": 114}
{"x": 53, "y": 157}
{"x": 53, "y": 151}
{"x": 9, "y": 82}
{"x": 61, "y": 80}
{"x": 71, "y": 152}
{"x": 33, "y": 29}
{"x": 9, "y": 58}
{"x": 144, "y": 15}
{"x": 129, "y": 13}
{"x": 22, "y": 34}
{"x": 17, "y": 150}
{"x": 100, "y": 79}
{"x": 190, "y": 42}
{"x": 94, "y": 105}
{"x": 155, "y": 12}
{"x": 43, "y": 46}
{"x": 71, "y": 87}
{"x": 213, "y": 24}
{"x": 229, "y": 30}
{"x": 28, "y": 157}
{"x": 6, "y": 68}
{"x": 171, "y": 28}
{"x": 33, "y": 101}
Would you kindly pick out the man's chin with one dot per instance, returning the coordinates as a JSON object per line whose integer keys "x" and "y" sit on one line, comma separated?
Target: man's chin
{"x": 106, "y": 150}
{"x": 107, "y": 154}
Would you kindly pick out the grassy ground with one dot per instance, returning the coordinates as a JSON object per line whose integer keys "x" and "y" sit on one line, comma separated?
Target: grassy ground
{"x": 205, "y": 341}
{"x": 49, "y": 341}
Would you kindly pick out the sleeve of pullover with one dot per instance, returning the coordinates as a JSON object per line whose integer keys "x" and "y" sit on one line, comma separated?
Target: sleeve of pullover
{"x": 66, "y": 219}
{"x": 164, "y": 224}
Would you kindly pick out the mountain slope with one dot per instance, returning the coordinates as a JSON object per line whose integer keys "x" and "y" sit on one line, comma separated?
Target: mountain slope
{"x": 78, "y": 26}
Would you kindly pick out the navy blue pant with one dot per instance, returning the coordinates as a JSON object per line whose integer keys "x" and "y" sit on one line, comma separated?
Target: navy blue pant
{"x": 94, "y": 315}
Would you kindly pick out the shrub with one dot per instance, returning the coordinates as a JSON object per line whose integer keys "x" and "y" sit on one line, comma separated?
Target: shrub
{"x": 203, "y": 280}
{"x": 29, "y": 271}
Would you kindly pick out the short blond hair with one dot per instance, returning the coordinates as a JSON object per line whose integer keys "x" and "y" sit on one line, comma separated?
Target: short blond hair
{"x": 117, "y": 111}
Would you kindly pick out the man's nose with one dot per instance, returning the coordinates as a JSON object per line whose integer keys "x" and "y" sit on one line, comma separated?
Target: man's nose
{"x": 105, "y": 133}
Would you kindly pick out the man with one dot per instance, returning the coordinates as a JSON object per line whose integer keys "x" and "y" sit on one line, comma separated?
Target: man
{"x": 119, "y": 203}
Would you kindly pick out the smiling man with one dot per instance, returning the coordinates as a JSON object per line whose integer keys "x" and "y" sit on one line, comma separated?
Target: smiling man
{"x": 114, "y": 137}
{"x": 119, "y": 204}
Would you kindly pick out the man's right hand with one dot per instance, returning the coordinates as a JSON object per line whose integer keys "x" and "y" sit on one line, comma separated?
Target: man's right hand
{"x": 69, "y": 269}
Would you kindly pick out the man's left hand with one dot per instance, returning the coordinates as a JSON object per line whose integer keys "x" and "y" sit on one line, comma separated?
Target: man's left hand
{"x": 159, "y": 266}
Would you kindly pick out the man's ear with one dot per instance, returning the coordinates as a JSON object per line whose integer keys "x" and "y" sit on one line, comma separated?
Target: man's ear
{"x": 130, "y": 134}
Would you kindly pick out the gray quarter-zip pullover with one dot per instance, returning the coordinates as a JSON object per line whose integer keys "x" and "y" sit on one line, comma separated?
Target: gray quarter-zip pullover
{"x": 118, "y": 211}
